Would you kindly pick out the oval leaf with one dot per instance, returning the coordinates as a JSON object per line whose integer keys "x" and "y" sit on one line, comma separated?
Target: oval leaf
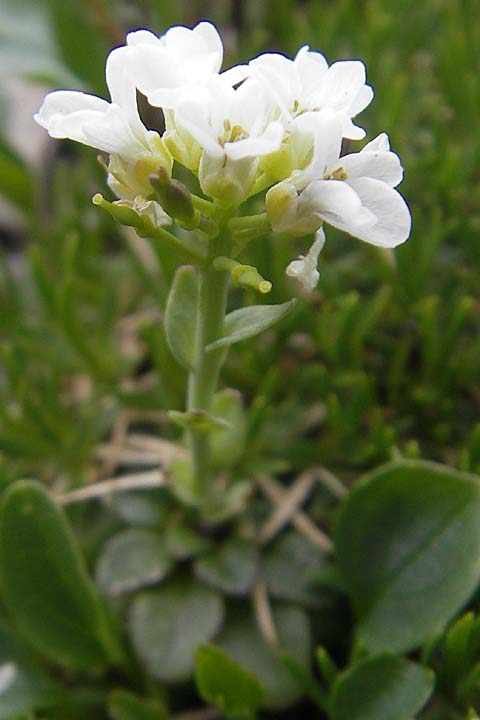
{"x": 44, "y": 582}
{"x": 132, "y": 558}
{"x": 181, "y": 315}
{"x": 169, "y": 624}
{"x": 408, "y": 544}
{"x": 231, "y": 568}
{"x": 224, "y": 683}
{"x": 249, "y": 321}
{"x": 242, "y": 640}
{"x": 385, "y": 687}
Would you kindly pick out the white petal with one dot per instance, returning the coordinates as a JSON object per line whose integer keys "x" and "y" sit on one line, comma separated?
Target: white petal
{"x": 363, "y": 98}
{"x": 393, "y": 215}
{"x": 112, "y": 132}
{"x": 350, "y": 130}
{"x": 342, "y": 83}
{"x": 151, "y": 67}
{"x": 384, "y": 166}
{"x": 380, "y": 143}
{"x": 64, "y": 112}
{"x": 267, "y": 143}
{"x": 59, "y": 105}
{"x": 304, "y": 269}
{"x": 336, "y": 203}
{"x": 235, "y": 74}
{"x": 190, "y": 117}
{"x": 326, "y": 129}
{"x": 141, "y": 37}
{"x": 120, "y": 83}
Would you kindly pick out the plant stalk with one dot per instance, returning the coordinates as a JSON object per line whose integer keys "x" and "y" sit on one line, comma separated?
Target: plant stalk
{"x": 202, "y": 383}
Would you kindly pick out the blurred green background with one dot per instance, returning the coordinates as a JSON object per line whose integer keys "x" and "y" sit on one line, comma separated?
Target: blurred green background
{"x": 383, "y": 360}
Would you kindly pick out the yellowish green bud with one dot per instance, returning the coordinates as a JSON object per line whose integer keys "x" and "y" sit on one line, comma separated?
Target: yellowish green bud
{"x": 243, "y": 276}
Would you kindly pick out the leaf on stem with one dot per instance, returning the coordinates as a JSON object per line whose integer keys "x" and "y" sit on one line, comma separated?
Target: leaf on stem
{"x": 249, "y": 321}
{"x": 181, "y": 315}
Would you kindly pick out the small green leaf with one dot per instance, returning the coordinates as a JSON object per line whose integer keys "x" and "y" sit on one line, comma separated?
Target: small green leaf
{"x": 408, "y": 544}
{"x": 385, "y": 687}
{"x": 242, "y": 640}
{"x": 44, "y": 583}
{"x": 226, "y": 684}
{"x": 230, "y": 568}
{"x": 123, "y": 705}
{"x": 198, "y": 420}
{"x": 131, "y": 559}
{"x": 249, "y": 321}
{"x": 289, "y": 567}
{"x": 148, "y": 508}
{"x": 182, "y": 542}
{"x": 228, "y": 445}
{"x": 181, "y": 315}
{"x": 168, "y": 625}
{"x": 182, "y": 483}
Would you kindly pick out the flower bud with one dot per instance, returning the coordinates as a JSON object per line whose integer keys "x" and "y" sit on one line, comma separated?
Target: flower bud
{"x": 243, "y": 276}
{"x": 144, "y": 215}
{"x": 175, "y": 199}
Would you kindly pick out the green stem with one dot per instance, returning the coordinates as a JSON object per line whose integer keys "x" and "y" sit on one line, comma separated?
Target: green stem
{"x": 213, "y": 289}
{"x": 258, "y": 223}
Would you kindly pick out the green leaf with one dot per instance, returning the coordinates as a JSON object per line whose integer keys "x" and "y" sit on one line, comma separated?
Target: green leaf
{"x": 182, "y": 542}
{"x": 408, "y": 543}
{"x": 131, "y": 559}
{"x": 23, "y": 685}
{"x": 385, "y": 687}
{"x": 289, "y": 568}
{"x": 181, "y": 315}
{"x": 231, "y": 568}
{"x": 228, "y": 445}
{"x": 167, "y": 626}
{"x": 148, "y": 508}
{"x": 249, "y": 321}
{"x": 44, "y": 582}
{"x": 242, "y": 640}
{"x": 224, "y": 683}
{"x": 199, "y": 420}
{"x": 123, "y": 705}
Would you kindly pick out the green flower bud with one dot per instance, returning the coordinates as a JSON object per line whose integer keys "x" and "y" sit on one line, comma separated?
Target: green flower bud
{"x": 176, "y": 199}
{"x": 243, "y": 276}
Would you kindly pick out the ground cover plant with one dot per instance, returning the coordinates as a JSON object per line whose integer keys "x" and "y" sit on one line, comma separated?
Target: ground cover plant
{"x": 302, "y": 538}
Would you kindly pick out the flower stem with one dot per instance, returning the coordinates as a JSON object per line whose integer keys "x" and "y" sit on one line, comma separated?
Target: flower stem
{"x": 212, "y": 301}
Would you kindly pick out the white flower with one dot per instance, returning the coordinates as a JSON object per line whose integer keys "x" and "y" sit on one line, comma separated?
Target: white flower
{"x": 304, "y": 269}
{"x": 114, "y": 128}
{"x": 354, "y": 193}
{"x": 308, "y": 84}
{"x": 232, "y": 129}
{"x": 169, "y": 67}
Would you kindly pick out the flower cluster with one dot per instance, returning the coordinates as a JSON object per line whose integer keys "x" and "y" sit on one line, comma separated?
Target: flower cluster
{"x": 274, "y": 125}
